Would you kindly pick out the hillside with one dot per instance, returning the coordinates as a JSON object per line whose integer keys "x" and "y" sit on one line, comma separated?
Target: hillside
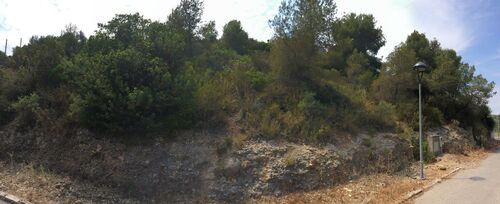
{"x": 497, "y": 125}
{"x": 318, "y": 76}
{"x": 171, "y": 111}
{"x": 205, "y": 166}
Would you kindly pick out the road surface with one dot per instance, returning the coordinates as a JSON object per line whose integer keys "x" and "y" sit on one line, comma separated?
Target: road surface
{"x": 479, "y": 185}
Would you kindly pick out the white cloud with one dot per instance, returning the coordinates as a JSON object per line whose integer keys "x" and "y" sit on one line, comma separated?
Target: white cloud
{"x": 497, "y": 54}
{"x": 392, "y": 15}
{"x": 444, "y": 20}
{"x": 254, "y": 15}
{"x": 25, "y": 18}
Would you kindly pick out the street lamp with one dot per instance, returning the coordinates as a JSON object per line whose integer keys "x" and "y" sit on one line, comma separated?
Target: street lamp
{"x": 420, "y": 67}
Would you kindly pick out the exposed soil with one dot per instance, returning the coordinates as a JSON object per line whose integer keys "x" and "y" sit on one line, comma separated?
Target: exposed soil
{"x": 222, "y": 166}
{"x": 203, "y": 167}
{"x": 37, "y": 185}
{"x": 41, "y": 186}
{"x": 383, "y": 188}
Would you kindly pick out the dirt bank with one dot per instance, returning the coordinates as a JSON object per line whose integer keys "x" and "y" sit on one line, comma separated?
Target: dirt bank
{"x": 383, "y": 188}
{"x": 205, "y": 166}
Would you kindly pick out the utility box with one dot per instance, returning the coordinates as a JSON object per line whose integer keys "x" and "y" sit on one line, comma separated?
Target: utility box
{"x": 435, "y": 144}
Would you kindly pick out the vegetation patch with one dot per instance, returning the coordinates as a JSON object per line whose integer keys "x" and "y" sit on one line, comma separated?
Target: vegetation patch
{"x": 318, "y": 76}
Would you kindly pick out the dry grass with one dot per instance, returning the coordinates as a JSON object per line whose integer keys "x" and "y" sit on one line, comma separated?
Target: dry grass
{"x": 381, "y": 188}
{"x": 37, "y": 185}
{"x": 291, "y": 157}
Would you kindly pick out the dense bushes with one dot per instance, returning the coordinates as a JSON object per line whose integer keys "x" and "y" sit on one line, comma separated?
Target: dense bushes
{"x": 318, "y": 76}
{"x": 120, "y": 89}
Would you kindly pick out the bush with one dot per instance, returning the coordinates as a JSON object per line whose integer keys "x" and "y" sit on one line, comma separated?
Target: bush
{"x": 135, "y": 74}
{"x": 28, "y": 109}
{"x": 428, "y": 156}
{"x": 120, "y": 90}
{"x": 29, "y": 103}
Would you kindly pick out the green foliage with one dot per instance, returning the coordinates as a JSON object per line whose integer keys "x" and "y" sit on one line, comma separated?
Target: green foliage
{"x": 39, "y": 57}
{"x": 451, "y": 90}
{"x": 318, "y": 76}
{"x": 360, "y": 31}
{"x": 3, "y": 59}
{"x": 123, "y": 31}
{"x": 235, "y": 37}
{"x": 307, "y": 19}
{"x": 29, "y": 103}
{"x": 216, "y": 57}
{"x": 166, "y": 44}
{"x": 357, "y": 72}
{"x": 186, "y": 16}
{"x": 122, "y": 88}
{"x": 354, "y": 36}
{"x": 28, "y": 107}
{"x": 208, "y": 32}
{"x": 428, "y": 155}
{"x": 72, "y": 40}
{"x": 185, "y": 19}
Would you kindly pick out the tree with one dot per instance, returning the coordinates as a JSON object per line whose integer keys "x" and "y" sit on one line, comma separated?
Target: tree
{"x": 3, "y": 59}
{"x": 313, "y": 18}
{"x": 208, "y": 32}
{"x": 424, "y": 49}
{"x": 397, "y": 82}
{"x": 451, "y": 89}
{"x": 318, "y": 75}
{"x": 234, "y": 37}
{"x": 357, "y": 72}
{"x": 123, "y": 31}
{"x": 121, "y": 90}
{"x": 72, "y": 40}
{"x": 185, "y": 18}
{"x": 167, "y": 44}
{"x": 39, "y": 57}
{"x": 302, "y": 30}
{"x": 361, "y": 31}
{"x": 355, "y": 32}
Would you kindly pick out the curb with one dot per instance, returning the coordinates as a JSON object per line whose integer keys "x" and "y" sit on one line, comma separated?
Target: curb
{"x": 452, "y": 172}
{"x": 11, "y": 199}
{"x": 428, "y": 186}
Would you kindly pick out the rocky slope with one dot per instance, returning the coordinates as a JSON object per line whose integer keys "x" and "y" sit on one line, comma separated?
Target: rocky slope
{"x": 203, "y": 166}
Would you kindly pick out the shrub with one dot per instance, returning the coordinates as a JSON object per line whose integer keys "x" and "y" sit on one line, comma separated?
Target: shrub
{"x": 28, "y": 109}
{"x": 120, "y": 90}
{"x": 428, "y": 156}
{"x": 29, "y": 103}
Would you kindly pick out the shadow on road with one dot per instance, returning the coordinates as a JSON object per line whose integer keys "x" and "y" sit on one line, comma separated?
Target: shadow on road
{"x": 474, "y": 178}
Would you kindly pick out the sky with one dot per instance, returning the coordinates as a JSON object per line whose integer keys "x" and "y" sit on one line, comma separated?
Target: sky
{"x": 470, "y": 27}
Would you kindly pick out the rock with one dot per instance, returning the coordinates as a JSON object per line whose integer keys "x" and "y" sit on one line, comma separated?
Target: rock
{"x": 98, "y": 148}
{"x": 246, "y": 164}
{"x": 232, "y": 167}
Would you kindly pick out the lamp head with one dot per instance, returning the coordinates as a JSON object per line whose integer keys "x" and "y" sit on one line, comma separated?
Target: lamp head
{"x": 420, "y": 67}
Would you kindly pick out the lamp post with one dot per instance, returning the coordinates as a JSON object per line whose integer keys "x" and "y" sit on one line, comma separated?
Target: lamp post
{"x": 420, "y": 67}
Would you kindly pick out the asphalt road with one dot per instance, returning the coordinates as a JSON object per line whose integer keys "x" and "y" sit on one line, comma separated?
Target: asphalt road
{"x": 479, "y": 185}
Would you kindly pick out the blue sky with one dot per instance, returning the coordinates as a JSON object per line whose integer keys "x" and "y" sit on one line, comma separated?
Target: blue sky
{"x": 469, "y": 26}
{"x": 484, "y": 51}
